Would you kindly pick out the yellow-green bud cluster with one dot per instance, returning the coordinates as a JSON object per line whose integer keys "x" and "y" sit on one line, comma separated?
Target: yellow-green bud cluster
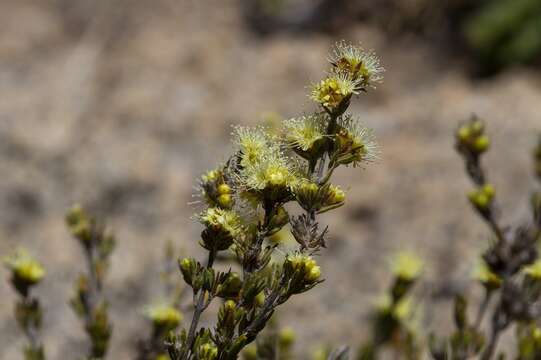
{"x": 483, "y": 197}
{"x": 79, "y": 223}
{"x": 216, "y": 191}
{"x": 471, "y": 137}
{"x": 320, "y": 198}
{"x": 303, "y": 266}
{"x": 26, "y": 271}
{"x": 163, "y": 316}
{"x": 222, "y": 227}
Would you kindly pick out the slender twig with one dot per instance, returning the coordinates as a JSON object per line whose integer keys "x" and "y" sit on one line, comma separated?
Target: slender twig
{"x": 199, "y": 308}
{"x": 482, "y": 309}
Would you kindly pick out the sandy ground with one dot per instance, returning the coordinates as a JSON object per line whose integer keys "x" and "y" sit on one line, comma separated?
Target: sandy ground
{"x": 122, "y": 106}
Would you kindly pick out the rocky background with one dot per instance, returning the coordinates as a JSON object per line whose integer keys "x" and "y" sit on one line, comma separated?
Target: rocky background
{"x": 120, "y": 105}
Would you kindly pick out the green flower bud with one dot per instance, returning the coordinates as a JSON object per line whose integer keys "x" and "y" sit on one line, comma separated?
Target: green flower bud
{"x": 470, "y": 137}
{"x": 189, "y": 268}
{"x": 79, "y": 223}
{"x": 225, "y": 201}
{"x": 481, "y": 144}
{"x": 260, "y": 299}
{"x": 313, "y": 274}
{"x": 483, "y": 197}
{"x": 224, "y": 189}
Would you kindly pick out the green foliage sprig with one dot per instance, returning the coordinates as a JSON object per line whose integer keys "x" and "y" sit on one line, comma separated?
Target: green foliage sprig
{"x": 26, "y": 272}
{"x": 89, "y": 302}
{"x": 246, "y": 204}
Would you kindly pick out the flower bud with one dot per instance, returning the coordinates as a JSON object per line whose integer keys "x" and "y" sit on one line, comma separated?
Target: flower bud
{"x": 313, "y": 274}
{"x": 79, "y": 224}
{"x": 225, "y": 201}
{"x": 224, "y": 189}
{"x": 482, "y": 198}
{"x": 470, "y": 138}
{"x": 188, "y": 268}
{"x": 260, "y": 299}
{"x": 481, "y": 144}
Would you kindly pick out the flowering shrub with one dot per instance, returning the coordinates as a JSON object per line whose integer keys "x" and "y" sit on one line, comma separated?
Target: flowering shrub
{"x": 245, "y": 202}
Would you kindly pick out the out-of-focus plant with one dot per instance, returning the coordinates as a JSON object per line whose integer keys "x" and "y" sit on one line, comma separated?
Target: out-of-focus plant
{"x": 271, "y": 344}
{"x": 245, "y": 202}
{"x": 26, "y": 272}
{"x": 392, "y": 320}
{"x": 508, "y": 272}
{"x": 89, "y": 302}
{"x": 164, "y": 314}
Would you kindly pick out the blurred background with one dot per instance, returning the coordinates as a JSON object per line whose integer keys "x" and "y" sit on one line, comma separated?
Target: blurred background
{"x": 120, "y": 105}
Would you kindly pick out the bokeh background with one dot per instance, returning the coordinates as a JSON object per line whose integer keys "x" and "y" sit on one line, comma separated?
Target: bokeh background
{"x": 120, "y": 105}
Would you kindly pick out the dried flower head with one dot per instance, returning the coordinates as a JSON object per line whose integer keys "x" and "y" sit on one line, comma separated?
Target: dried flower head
{"x": 358, "y": 63}
{"x": 334, "y": 91}
{"x": 355, "y": 143}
